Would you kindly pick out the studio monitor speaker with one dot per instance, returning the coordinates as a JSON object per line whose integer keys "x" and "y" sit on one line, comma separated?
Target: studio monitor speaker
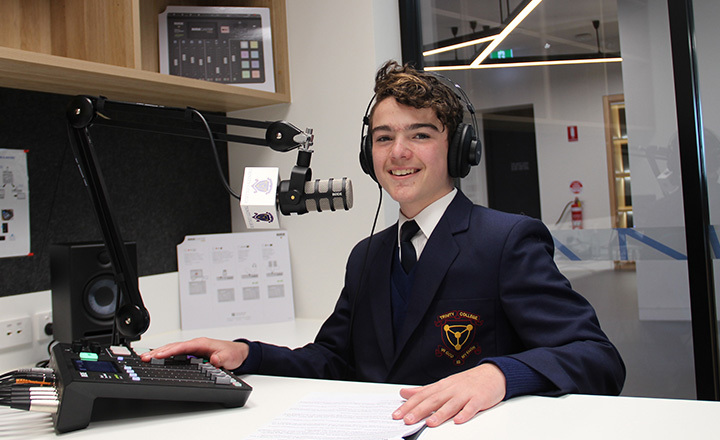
{"x": 84, "y": 292}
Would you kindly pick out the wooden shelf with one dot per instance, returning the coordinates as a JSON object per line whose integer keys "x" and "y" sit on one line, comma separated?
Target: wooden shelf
{"x": 115, "y": 54}
{"x": 48, "y": 73}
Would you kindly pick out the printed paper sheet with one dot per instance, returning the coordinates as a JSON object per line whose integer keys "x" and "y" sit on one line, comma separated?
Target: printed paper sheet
{"x": 233, "y": 279}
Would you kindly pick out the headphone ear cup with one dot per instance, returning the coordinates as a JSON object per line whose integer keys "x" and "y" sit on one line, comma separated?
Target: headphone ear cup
{"x": 456, "y": 163}
{"x": 366, "y": 162}
{"x": 463, "y": 152}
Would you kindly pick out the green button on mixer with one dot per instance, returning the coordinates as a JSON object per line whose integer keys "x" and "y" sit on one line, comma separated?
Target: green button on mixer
{"x": 88, "y": 356}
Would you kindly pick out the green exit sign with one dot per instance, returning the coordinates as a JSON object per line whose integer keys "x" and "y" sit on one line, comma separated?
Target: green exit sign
{"x": 501, "y": 54}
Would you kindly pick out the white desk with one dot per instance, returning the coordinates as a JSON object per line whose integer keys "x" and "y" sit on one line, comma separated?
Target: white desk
{"x": 569, "y": 417}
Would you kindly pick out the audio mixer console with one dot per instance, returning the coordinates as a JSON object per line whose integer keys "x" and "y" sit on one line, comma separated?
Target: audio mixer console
{"x": 84, "y": 374}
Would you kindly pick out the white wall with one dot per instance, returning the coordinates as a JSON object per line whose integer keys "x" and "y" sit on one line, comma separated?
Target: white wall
{"x": 335, "y": 49}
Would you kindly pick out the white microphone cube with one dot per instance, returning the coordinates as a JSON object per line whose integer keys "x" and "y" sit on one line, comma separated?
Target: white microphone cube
{"x": 258, "y": 199}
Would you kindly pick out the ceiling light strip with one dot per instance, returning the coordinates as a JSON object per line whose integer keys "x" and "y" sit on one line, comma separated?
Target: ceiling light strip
{"x": 458, "y": 46}
{"x": 505, "y": 32}
{"x": 528, "y": 64}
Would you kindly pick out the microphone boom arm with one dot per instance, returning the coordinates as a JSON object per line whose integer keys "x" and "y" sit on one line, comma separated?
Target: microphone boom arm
{"x": 132, "y": 319}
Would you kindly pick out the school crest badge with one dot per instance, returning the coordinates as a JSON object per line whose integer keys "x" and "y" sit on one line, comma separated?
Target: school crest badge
{"x": 263, "y": 217}
{"x": 458, "y": 330}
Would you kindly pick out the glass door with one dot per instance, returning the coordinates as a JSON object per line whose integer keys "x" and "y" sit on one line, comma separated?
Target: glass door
{"x": 600, "y": 77}
{"x": 700, "y": 38}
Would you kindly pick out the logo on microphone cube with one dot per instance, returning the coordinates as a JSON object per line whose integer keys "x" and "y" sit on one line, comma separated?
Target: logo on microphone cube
{"x": 264, "y": 186}
{"x": 258, "y": 197}
{"x": 263, "y": 217}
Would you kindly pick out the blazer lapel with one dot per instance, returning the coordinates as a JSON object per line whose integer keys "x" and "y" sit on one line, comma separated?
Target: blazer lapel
{"x": 378, "y": 291}
{"x": 439, "y": 254}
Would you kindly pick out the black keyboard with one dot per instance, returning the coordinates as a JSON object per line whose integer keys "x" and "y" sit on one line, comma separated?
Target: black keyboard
{"x": 84, "y": 374}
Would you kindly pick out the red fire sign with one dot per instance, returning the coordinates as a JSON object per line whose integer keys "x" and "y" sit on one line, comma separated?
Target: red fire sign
{"x": 572, "y": 133}
{"x": 576, "y": 187}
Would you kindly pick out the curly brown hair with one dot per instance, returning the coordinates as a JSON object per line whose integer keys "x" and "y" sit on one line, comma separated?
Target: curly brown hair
{"x": 418, "y": 89}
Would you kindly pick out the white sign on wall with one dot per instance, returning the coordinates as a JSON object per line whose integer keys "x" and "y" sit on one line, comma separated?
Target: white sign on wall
{"x": 14, "y": 204}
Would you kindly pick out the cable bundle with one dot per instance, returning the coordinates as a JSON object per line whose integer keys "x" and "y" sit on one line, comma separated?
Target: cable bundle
{"x": 30, "y": 389}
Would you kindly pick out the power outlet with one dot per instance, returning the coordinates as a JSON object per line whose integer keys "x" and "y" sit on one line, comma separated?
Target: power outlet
{"x": 15, "y": 332}
{"x": 43, "y": 322}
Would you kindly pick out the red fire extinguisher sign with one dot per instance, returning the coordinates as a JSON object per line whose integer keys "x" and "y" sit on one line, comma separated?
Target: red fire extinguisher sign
{"x": 572, "y": 133}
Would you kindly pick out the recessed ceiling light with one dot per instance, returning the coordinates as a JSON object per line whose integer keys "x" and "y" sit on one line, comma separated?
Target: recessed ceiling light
{"x": 505, "y": 32}
{"x": 529, "y": 64}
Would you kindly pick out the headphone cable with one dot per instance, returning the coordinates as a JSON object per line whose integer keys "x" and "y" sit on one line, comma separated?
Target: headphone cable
{"x": 360, "y": 283}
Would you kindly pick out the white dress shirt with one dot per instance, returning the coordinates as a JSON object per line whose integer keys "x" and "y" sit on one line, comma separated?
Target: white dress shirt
{"x": 427, "y": 219}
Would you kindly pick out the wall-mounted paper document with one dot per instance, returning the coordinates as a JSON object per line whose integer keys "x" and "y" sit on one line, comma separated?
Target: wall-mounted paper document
{"x": 14, "y": 204}
{"x": 233, "y": 279}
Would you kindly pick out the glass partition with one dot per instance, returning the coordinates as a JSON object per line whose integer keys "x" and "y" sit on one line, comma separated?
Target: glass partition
{"x": 590, "y": 84}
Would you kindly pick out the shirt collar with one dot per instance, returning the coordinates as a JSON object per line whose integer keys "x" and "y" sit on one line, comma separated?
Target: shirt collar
{"x": 429, "y": 217}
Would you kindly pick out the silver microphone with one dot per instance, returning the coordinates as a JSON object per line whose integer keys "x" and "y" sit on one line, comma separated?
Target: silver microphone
{"x": 328, "y": 194}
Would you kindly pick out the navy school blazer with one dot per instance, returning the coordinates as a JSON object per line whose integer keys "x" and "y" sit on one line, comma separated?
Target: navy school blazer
{"x": 485, "y": 286}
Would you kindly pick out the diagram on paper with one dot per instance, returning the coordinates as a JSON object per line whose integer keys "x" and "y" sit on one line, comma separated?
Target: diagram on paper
{"x": 231, "y": 279}
{"x": 14, "y": 204}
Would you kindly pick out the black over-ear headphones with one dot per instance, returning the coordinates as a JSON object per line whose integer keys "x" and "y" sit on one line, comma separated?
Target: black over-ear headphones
{"x": 464, "y": 149}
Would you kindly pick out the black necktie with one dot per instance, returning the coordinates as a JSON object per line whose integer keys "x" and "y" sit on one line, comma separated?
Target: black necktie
{"x": 407, "y": 250}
